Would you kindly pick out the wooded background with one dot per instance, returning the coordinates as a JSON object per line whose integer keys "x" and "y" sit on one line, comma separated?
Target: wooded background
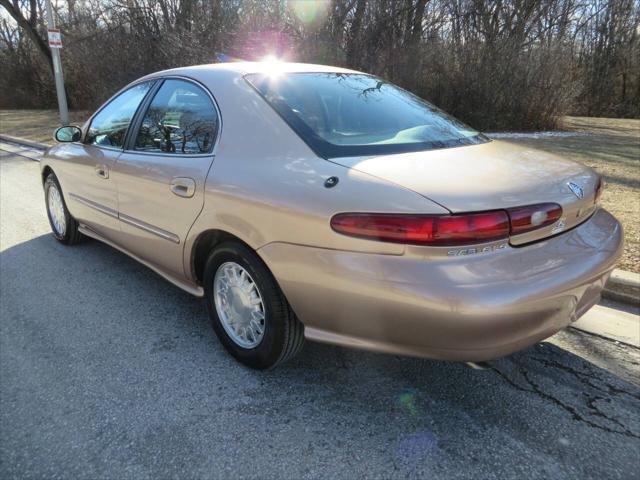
{"x": 495, "y": 64}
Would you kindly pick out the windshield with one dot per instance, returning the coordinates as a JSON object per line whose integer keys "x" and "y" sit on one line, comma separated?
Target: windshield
{"x": 341, "y": 114}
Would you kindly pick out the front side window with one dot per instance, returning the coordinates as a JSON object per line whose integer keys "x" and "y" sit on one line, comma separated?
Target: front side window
{"x": 109, "y": 126}
{"x": 181, "y": 119}
{"x": 341, "y": 114}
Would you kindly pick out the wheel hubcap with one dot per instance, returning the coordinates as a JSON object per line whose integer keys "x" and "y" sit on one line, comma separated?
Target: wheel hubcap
{"x": 56, "y": 210}
{"x": 239, "y": 305}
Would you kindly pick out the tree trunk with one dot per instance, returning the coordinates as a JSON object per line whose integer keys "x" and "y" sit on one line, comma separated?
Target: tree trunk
{"x": 30, "y": 30}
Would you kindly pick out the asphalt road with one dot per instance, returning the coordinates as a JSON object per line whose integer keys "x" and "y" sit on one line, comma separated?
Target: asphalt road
{"x": 108, "y": 371}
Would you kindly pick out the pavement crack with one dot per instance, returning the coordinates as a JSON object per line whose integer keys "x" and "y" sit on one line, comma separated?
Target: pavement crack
{"x": 591, "y": 404}
{"x": 573, "y": 411}
{"x": 586, "y": 378}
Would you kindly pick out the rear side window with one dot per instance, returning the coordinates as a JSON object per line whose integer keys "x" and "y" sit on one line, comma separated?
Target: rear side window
{"x": 181, "y": 119}
{"x": 109, "y": 126}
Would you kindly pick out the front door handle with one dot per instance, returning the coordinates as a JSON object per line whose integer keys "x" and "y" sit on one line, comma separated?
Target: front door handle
{"x": 183, "y": 186}
{"x": 102, "y": 171}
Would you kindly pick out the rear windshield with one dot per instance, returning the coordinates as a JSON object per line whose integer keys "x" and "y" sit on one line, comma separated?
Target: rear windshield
{"x": 341, "y": 114}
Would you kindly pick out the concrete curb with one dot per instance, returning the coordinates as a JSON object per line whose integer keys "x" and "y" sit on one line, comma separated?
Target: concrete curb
{"x": 622, "y": 286}
{"x": 612, "y": 323}
{"x": 24, "y": 142}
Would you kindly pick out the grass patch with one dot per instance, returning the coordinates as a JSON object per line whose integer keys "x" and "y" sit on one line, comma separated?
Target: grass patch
{"x": 610, "y": 146}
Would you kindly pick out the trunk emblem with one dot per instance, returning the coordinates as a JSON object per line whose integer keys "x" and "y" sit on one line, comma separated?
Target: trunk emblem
{"x": 576, "y": 189}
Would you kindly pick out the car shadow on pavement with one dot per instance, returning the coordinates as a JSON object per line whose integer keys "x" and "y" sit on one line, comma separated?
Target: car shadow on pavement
{"x": 90, "y": 317}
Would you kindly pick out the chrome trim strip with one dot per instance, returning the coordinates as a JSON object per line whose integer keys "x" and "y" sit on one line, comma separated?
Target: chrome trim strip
{"x": 149, "y": 228}
{"x": 96, "y": 206}
{"x": 172, "y": 237}
{"x": 174, "y": 155}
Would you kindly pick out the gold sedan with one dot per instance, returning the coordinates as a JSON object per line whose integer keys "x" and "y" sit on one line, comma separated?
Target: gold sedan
{"x": 306, "y": 201}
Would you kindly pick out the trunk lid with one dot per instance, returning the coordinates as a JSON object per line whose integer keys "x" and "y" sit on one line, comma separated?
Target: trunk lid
{"x": 491, "y": 176}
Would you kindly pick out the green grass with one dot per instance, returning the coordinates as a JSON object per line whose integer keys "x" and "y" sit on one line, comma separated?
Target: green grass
{"x": 611, "y": 146}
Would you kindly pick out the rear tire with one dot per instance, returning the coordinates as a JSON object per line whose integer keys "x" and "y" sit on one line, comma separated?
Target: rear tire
{"x": 246, "y": 289}
{"x": 63, "y": 226}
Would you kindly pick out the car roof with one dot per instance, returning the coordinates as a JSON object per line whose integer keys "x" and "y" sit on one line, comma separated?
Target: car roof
{"x": 244, "y": 68}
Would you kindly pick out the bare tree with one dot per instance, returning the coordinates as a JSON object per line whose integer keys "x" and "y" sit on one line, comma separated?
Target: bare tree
{"x": 29, "y": 26}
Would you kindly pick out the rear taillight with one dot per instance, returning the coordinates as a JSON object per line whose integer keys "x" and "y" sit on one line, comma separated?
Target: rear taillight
{"x": 447, "y": 230}
{"x": 599, "y": 188}
{"x": 435, "y": 230}
{"x": 533, "y": 217}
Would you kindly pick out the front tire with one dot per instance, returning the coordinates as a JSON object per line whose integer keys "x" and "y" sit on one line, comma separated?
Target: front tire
{"x": 63, "y": 226}
{"x": 249, "y": 312}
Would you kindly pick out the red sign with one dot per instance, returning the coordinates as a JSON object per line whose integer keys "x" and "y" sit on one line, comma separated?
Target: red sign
{"x": 55, "y": 38}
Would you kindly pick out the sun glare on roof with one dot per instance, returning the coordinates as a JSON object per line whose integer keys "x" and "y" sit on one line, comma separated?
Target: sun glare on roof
{"x": 273, "y": 65}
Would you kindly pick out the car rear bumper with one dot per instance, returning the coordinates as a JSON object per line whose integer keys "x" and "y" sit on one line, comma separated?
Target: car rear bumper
{"x": 468, "y": 308}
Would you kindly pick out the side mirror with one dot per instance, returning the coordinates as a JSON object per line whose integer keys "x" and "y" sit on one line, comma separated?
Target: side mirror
{"x": 68, "y": 134}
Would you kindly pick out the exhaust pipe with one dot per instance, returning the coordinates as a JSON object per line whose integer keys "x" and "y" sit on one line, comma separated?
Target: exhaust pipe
{"x": 478, "y": 365}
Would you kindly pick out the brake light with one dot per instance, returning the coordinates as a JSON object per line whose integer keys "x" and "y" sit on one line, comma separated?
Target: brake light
{"x": 533, "y": 217}
{"x": 434, "y": 230}
{"x": 599, "y": 189}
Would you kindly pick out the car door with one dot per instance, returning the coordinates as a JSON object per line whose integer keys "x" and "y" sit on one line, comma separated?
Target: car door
{"x": 90, "y": 187}
{"x": 161, "y": 174}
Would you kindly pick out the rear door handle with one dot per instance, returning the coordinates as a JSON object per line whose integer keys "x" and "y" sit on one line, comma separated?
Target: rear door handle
{"x": 183, "y": 186}
{"x": 102, "y": 171}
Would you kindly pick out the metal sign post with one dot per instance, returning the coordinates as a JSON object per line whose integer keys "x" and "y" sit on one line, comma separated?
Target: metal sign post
{"x": 55, "y": 43}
